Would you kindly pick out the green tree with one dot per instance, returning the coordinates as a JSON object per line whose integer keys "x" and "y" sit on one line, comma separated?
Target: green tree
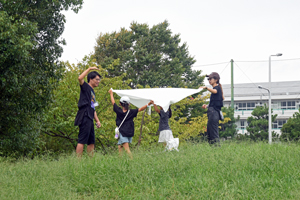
{"x": 258, "y": 123}
{"x": 29, "y": 67}
{"x": 149, "y": 56}
{"x": 291, "y": 129}
{"x": 229, "y": 128}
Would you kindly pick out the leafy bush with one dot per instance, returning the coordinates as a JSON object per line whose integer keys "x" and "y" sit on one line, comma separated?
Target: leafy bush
{"x": 228, "y": 126}
{"x": 291, "y": 129}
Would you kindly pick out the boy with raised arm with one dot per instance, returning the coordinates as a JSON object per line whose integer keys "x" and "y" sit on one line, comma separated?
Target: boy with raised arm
{"x": 86, "y": 113}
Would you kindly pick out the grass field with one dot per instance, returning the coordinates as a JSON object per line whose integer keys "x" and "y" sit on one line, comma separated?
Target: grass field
{"x": 198, "y": 171}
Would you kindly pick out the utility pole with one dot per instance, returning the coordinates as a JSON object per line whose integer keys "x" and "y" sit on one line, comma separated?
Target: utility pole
{"x": 232, "y": 91}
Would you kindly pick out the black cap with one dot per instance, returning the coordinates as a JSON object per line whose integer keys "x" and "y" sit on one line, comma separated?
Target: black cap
{"x": 214, "y": 75}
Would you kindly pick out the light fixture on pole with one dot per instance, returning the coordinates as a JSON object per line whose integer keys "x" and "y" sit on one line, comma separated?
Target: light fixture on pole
{"x": 270, "y": 116}
{"x": 261, "y": 87}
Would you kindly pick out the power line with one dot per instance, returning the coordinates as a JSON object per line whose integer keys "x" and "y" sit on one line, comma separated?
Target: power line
{"x": 264, "y": 82}
{"x": 255, "y": 61}
{"x": 286, "y": 59}
{"x": 211, "y": 64}
{"x": 224, "y": 68}
{"x": 290, "y": 59}
{"x": 248, "y": 77}
{"x": 272, "y": 60}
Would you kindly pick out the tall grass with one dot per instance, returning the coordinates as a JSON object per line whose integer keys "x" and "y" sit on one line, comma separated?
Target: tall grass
{"x": 197, "y": 171}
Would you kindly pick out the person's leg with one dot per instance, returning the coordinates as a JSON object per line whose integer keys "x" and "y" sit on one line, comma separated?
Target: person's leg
{"x": 126, "y": 147}
{"x": 84, "y": 130}
{"x": 90, "y": 149}
{"x": 79, "y": 149}
{"x": 215, "y": 128}
{"x": 168, "y": 137}
{"x": 162, "y": 139}
{"x": 91, "y": 139}
{"x": 209, "y": 125}
{"x": 120, "y": 147}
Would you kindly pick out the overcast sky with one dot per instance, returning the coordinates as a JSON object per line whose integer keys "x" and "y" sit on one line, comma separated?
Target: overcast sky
{"x": 215, "y": 31}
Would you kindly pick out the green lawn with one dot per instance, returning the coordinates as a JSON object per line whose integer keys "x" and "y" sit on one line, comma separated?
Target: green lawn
{"x": 234, "y": 171}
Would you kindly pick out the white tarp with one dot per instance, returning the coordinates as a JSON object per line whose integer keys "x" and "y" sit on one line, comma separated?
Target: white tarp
{"x": 161, "y": 96}
{"x": 172, "y": 144}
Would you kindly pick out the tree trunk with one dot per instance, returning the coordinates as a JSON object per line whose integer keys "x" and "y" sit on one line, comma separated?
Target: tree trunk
{"x": 141, "y": 129}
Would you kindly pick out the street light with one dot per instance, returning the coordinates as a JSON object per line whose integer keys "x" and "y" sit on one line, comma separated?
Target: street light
{"x": 261, "y": 87}
{"x": 270, "y": 116}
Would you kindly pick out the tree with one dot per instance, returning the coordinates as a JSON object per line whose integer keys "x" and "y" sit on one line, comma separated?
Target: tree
{"x": 149, "y": 56}
{"x": 291, "y": 129}
{"x": 229, "y": 128}
{"x": 29, "y": 67}
{"x": 258, "y": 123}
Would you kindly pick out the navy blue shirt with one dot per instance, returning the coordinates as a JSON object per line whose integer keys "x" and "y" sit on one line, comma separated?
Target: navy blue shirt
{"x": 164, "y": 120}
{"x": 86, "y": 103}
{"x": 127, "y": 128}
{"x": 216, "y": 100}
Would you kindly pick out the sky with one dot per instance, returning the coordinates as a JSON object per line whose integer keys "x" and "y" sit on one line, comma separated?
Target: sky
{"x": 215, "y": 31}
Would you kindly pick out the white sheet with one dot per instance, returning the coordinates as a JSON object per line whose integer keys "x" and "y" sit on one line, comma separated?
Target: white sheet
{"x": 163, "y": 97}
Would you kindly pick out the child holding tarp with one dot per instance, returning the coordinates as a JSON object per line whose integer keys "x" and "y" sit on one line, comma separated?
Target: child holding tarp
{"x": 125, "y": 122}
{"x": 165, "y": 132}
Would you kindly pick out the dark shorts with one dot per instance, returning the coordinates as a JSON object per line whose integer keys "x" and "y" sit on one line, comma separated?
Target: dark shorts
{"x": 86, "y": 131}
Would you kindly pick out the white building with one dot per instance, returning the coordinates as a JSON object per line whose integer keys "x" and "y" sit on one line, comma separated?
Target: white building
{"x": 285, "y": 101}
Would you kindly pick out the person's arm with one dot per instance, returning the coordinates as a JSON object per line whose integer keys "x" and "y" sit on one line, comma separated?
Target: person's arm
{"x": 222, "y": 94}
{"x": 156, "y": 108}
{"x": 112, "y": 99}
{"x": 214, "y": 91}
{"x": 84, "y": 74}
{"x": 97, "y": 120}
{"x": 170, "y": 112}
{"x": 145, "y": 106}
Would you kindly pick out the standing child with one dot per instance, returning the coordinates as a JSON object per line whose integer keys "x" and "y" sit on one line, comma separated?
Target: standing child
{"x": 214, "y": 107}
{"x": 164, "y": 128}
{"x": 127, "y": 128}
{"x": 86, "y": 111}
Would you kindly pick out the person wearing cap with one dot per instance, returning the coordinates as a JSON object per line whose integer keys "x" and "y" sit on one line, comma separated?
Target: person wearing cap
{"x": 214, "y": 107}
{"x": 127, "y": 128}
{"x": 86, "y": 111}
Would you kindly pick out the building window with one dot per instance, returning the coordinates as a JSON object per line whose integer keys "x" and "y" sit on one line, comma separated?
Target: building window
{"x": 250, "y": 106}
{"x": 275, "y": 105}
{"x": 242, "y": 106}
{"x": 285, "y": 105}
{"x": 245, "y": 106}
{"x": 277, "y": 124}
{"x": 243, "y": 124}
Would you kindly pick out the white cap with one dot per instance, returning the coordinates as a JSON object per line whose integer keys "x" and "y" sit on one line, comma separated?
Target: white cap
{"x": 125, "y": 99}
